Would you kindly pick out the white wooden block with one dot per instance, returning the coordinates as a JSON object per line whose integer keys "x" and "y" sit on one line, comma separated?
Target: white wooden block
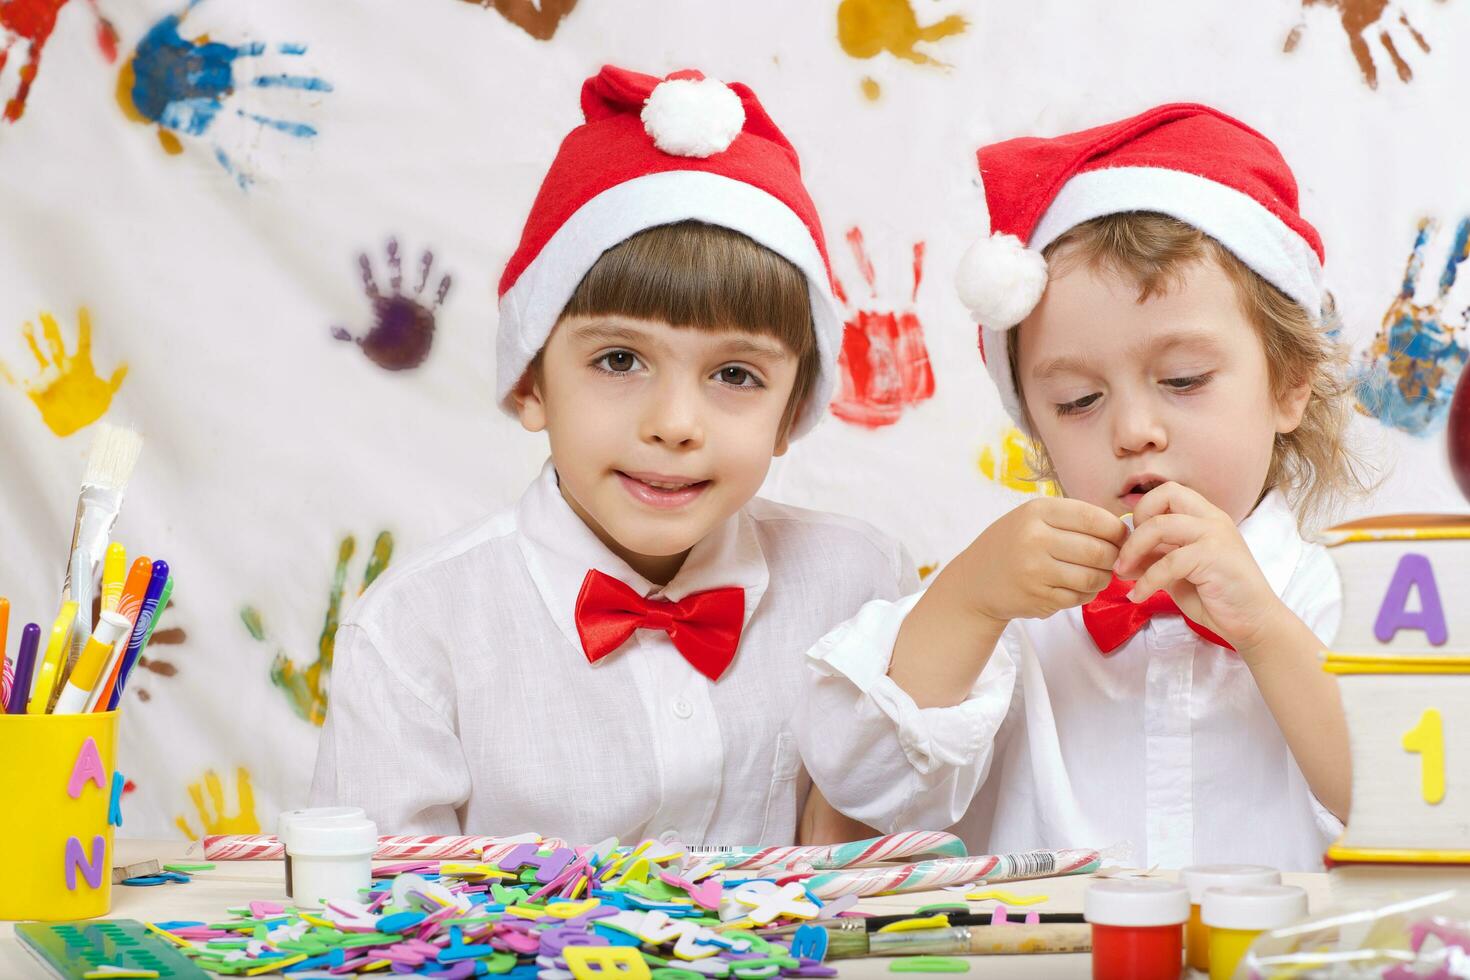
{"x": 1390, "y": 782}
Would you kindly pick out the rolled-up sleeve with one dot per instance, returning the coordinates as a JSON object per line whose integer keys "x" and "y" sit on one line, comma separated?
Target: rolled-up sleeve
{"x": 875, "y": 754}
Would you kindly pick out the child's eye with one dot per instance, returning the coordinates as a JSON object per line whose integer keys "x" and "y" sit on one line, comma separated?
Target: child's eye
{"x": 1078, "y": 405}
{"x": 738, "y": 377}
{"x": 1187, "y": 384}
{"x": 617, "y": 361}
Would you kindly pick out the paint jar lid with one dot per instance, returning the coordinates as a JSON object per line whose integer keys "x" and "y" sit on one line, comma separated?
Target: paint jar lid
{"x": 288, "y": 817}
{"x": 332, "y": 837}
{"x": 1198, "y": 877}
{"x": 1135, "y": 902}
{"x": 1254, "y": 907}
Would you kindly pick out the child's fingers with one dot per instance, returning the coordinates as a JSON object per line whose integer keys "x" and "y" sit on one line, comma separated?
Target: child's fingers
{"x": 1170, "y": 498}
{"x": 1083, "y": 549}
{"x": 1176, "y": 566}
{"x": 1067, "y": 514}
{"x": 1081, "y": 579}
{"x": 1061, "y": 598}
{"x": 1155, "y": 537}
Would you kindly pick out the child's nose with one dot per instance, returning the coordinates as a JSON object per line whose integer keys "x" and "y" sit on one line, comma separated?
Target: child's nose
{"x": 673, "y": 416}
{"x": 1137, "y": 428}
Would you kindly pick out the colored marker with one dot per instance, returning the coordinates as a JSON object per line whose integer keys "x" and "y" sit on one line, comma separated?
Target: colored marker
{"x": 163, "y": 598}
{"x": 25, "y": 666}
{"x": 73, "y": 699}
{"x": 4, "y": 623}
{"x": 140, "y": 630}
{"x": 136, "y": 587}
{"x": 114, "y": 568}
{"x": 56, "y": 649}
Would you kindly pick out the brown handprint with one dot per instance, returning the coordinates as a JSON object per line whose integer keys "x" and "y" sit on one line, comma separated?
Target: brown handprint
{"x": 1360, "y": 18}
{"x": 540, "y": 20}
{"x": 168, "y": 636}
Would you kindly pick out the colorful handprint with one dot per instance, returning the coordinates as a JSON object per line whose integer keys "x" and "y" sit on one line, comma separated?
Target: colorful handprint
{"x": 67, "y": 390}
{"x": 403, "y": 323}
{"x": 306, "y": 688}
{"x": 883, "y": 366}
{"x": 183, "y": 85}
{"x": 1414, "y": 361}
{"x": 31, "y": 22}
{"x": 1363, "y": 17}
{"x": 214, "y": 818}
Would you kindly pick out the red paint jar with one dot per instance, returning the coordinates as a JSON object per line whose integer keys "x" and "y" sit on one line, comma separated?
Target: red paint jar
{"x": 1137, "y": 928}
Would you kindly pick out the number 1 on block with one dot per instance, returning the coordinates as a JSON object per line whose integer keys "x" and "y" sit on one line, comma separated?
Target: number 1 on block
{"x": 1427, "y": 739}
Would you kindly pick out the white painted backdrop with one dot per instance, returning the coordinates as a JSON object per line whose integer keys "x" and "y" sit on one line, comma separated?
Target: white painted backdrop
{"x": 269, "y": 440}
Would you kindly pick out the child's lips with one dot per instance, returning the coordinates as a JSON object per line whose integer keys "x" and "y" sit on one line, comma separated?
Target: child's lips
{"x": 661, "y": 490}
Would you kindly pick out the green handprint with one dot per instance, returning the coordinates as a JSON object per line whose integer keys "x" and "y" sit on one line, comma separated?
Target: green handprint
{"x": 306, "y": 689}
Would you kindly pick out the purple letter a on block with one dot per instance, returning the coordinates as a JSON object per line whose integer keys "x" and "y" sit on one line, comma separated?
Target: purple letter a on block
{"x": 76, "y": 858}
{"x": 1414, "y": 571}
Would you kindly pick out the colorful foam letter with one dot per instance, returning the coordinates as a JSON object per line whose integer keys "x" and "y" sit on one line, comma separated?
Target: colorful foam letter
{"x": 1413, "y": 571}
{"x": 77, "y": 858}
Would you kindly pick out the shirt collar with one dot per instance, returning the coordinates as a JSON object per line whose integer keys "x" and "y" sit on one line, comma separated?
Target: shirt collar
{"x": 560, "y": 549}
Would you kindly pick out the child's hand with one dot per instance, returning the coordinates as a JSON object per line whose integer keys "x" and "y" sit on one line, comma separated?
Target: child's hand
{"x": 1190, "y": 548}
{"x": 1048, "y": 554}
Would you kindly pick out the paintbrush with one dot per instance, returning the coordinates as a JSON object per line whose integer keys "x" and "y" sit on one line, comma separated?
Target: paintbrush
{"x": 110, "y": 463}
{"x": 978, "y": 940}
{"x": 872, "y": 923}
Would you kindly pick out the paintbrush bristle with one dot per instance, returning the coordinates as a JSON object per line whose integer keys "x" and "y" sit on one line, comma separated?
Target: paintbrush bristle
{"x": 112, "y": 457}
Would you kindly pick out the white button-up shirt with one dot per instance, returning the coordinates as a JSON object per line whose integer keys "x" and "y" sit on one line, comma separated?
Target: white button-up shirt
{"x": 1166, "y": 745}
{"x": 462, "y": 702}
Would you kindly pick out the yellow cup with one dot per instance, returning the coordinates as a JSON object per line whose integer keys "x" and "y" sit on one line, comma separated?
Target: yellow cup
{"x": 56, "y": 774}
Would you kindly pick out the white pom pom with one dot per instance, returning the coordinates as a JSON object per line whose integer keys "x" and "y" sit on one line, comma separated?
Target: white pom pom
{"x": 690, "y": 117}
{"x": 1000, "y": 280}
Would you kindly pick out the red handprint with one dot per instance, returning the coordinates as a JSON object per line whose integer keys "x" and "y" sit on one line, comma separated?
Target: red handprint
{"x": 32, "y": 21}
{"x": 884, "y": 365}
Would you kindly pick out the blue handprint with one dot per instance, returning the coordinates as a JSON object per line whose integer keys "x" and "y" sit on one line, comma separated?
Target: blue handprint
{"x": 1414, "y": 362}
{"x": 183, "y": 85}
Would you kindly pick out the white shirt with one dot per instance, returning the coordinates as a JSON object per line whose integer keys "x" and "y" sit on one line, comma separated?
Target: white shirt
{"x": 1166, "y": 745}
{"x": 462, "y": 702}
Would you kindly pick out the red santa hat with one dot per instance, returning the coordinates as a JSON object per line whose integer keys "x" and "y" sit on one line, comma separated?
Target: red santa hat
{"x": 1184, "y": 160}
{"x": 653, "y": 152}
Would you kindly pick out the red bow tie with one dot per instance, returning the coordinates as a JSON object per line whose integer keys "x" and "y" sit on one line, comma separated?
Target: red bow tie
{"x": 704, "y": 626}
{"x": 1112, "y": 620}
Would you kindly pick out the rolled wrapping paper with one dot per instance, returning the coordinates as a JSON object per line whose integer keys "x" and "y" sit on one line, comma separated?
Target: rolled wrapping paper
{"x": 396, "y": 847}
{"x": 829, "y": 857}
{"x": 927, "y": 875}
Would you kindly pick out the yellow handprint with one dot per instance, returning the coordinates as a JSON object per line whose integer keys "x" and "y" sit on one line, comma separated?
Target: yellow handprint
{"x": 243, "y": 821}
{"x": 1014, "y": 473}
{"x": 67, "y": 391}
{"x": 866, "y": 28}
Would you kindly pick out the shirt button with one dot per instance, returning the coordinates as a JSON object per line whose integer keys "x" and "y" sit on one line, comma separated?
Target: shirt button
{"x": 682, "y": 708}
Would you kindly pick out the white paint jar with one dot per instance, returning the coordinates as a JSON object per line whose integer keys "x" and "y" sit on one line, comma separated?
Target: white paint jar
{"x": 288, "y": 817}
{"x": 331, "y": 859}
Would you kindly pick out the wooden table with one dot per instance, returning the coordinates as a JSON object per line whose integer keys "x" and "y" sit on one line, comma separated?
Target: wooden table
{"x": 237, "y": 882}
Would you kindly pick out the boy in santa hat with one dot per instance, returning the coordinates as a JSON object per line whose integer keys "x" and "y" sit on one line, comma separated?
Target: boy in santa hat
{"x": 1152, "y": 313}
{"x": 620, "y": 654}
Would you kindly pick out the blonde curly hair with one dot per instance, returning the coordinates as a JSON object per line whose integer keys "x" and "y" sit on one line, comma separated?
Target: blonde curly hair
{"x": 1313, "y": 464}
